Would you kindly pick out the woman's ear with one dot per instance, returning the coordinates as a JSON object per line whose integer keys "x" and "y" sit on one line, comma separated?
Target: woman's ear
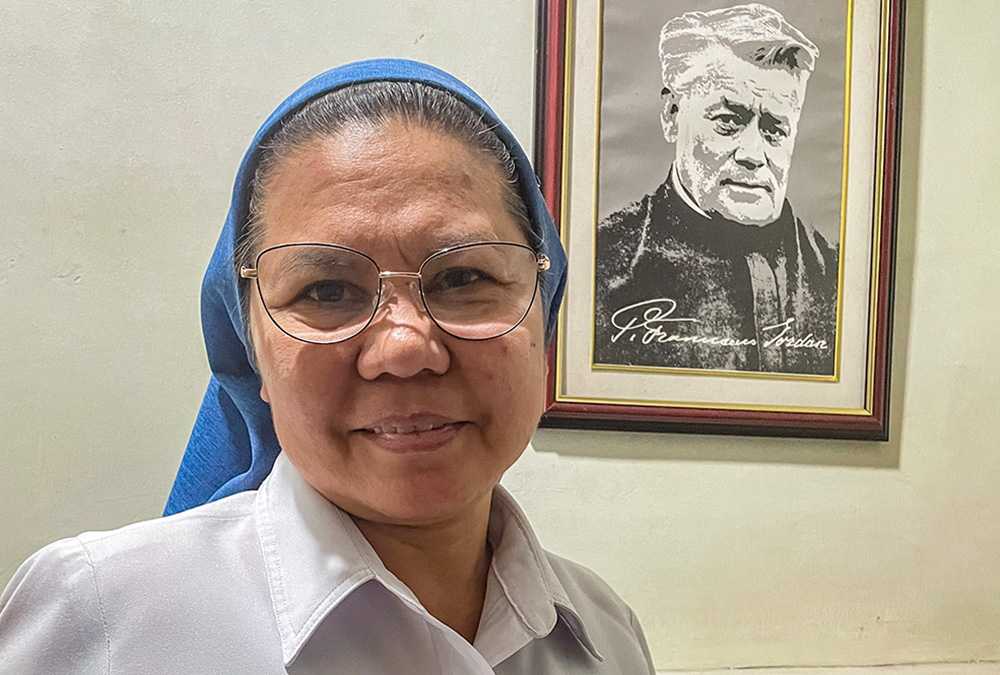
{"x": 252, "y": 330}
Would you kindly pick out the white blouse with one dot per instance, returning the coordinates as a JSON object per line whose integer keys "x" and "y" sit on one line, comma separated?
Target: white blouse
{"x": 279, "y": 580}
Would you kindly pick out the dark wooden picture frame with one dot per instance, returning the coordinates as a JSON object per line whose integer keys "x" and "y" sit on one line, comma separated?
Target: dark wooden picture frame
{"x": 554, "y": 76}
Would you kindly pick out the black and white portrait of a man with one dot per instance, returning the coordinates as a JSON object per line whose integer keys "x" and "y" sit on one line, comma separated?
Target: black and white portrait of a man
{"x": 715, "y": 269}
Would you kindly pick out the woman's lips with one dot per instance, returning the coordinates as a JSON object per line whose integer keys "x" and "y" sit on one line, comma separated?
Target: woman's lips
{"x": 412, "y": 433}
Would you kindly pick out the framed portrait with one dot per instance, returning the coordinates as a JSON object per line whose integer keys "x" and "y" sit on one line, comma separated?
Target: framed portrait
{"x": 724, "y": 178}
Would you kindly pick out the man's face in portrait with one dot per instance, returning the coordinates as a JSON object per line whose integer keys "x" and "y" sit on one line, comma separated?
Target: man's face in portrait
{"x": 734, "y": 126}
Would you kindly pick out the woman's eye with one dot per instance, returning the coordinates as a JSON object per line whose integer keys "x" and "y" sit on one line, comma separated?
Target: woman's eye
{"x": 328, "y": 292}
{"x": 457, "y": 277}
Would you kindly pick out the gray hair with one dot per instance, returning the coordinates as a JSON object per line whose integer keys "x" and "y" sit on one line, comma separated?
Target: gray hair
{"x": 754, "y": 32}
{"x": 372, "y": 105}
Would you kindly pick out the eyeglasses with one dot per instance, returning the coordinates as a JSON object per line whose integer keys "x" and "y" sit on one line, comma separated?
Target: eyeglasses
{"x": 324, "y": 293}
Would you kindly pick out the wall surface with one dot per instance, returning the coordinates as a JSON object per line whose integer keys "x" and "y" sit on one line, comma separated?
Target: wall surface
{"x": 121, "y": 127}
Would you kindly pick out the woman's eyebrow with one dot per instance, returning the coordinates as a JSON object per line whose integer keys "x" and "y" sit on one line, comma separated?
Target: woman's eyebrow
{"x": 309, "y": 258}
{"x": 466, "y": 237}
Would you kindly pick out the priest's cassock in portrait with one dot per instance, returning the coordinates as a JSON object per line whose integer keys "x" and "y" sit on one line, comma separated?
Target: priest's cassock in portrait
{"x": 714, "y": 269}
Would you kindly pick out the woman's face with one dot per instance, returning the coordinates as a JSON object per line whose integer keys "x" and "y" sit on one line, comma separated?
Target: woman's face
{"x": 353, "y": 416}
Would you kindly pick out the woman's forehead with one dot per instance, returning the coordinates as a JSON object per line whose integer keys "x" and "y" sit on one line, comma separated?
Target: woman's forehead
{"x": 399, "y": 183}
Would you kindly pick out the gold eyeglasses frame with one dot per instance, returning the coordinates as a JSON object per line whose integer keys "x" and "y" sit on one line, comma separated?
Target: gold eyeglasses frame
{"x": 542, "y": 261}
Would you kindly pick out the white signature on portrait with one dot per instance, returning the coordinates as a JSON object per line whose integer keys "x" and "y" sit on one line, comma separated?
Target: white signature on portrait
{"x": 646, "y": 321}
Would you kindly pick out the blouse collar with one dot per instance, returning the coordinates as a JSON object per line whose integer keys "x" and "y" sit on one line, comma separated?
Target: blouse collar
{"x": 315, "y": 557}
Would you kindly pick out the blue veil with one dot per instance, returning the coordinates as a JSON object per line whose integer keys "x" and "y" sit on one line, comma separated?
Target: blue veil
{"x": 233, "y": 444}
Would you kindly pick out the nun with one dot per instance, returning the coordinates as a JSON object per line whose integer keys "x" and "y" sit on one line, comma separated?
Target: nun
{"x": 376, "y": 314}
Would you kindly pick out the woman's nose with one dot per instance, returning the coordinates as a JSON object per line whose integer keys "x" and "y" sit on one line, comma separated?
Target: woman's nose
{"x": 402, "y": 339}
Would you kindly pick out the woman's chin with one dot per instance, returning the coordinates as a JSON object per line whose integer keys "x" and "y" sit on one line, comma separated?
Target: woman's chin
{"x": 418, "y": 504}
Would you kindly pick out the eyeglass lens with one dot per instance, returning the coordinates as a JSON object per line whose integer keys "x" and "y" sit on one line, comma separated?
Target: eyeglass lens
{"x": 324, "y": 293}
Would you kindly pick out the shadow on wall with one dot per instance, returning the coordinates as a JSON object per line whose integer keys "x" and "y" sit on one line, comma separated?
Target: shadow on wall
{"x": 862, "y": 454}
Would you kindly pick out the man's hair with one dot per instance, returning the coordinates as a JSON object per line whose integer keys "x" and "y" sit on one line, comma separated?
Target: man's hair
{"x": 755, "y": 33}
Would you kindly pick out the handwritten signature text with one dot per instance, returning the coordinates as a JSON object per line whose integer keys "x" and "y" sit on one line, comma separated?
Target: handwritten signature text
{"x": 646, "y": 320}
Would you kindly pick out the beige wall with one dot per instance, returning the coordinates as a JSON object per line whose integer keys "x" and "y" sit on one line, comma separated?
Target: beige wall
{"x": 122, "y": 125}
